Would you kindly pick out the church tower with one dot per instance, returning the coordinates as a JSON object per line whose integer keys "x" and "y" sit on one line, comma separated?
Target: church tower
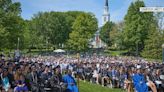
{"x": 106, "y": 15}
{"x": 96, "y": 42}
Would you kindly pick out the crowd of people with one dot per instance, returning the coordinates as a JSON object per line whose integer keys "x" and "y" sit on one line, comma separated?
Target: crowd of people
{"x": 58, "y": 73}
{"x": 34, "y": 74}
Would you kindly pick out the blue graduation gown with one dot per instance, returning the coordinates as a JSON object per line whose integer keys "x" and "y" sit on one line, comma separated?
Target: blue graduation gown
{"x": 139, "y": 83}
{"x": 68, "y": 79}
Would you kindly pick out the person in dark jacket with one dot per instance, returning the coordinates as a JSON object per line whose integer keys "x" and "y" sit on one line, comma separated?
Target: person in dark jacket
{"x": 33, "y": 78}
{"x": 56, "y": 80}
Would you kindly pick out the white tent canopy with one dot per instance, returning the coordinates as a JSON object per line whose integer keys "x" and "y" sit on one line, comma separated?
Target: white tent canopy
{"x": 59, "y": 51}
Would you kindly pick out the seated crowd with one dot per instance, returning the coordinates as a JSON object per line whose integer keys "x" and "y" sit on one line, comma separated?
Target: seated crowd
{"x": 27, "y": 75}
{"x": 57, "y": 73}
{"x": 132, "y": 74}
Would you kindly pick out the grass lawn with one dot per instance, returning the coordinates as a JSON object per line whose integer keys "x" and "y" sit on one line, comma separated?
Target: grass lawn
{"x": 114, "y": 53}
{"x": 88, "y": 87}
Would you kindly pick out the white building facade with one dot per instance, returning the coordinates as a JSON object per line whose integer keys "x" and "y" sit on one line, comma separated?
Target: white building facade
{"x": 96, "y": 42}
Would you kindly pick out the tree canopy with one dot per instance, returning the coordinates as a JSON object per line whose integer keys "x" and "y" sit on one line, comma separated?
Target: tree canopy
{"x": 105, "y": 32}
{"x": 139, "y": 32}
{"x": 137, "y": 26}
{"x": 84, "y": 28}
{"x": 11, "y": 24}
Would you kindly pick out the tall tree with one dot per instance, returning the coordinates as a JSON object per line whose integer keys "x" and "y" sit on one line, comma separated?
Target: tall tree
{"x": 137, "y": 26}
{"x": 84, "y": 27}
{"x": 3, "y": 35}
{"x": 117, "y": 36}
{"x": 31, "y": 38}
{"x": 11, "y": 21}
{"x": 155, "y": 39}
{"x": 153, "y": 45}
{"x": 54, "y": 27}
{"x": 105, "y": 32}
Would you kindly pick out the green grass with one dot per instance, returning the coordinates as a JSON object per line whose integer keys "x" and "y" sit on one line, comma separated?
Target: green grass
{"x": 114, "y": 52}
{"x": 88, "y": 87}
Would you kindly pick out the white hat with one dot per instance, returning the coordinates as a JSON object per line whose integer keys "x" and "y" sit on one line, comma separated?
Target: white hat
{"x": 162, "y": 77}
{"x": 70, "y": 68}
{"x": 138, "y": 66}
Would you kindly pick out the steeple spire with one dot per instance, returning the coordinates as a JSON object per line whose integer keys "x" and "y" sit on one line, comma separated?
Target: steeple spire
{"x": 106, "y": 15}
{"x": 106, "y": 3}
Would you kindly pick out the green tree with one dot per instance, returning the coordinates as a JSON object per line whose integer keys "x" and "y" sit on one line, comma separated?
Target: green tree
{"x": 54, "y": 27}
{"x": 3, "y": 35}
{"x": 84, "y": 27}
{"x": 31, "y": 39}
{"x": 11, "y": 21}
{"x": 155, "y": 39}
{"x": 137, "y": 26}
{"x": 117, "y": 36}
{"x": 153, "y": 45}
{"x": 105, "y": 32}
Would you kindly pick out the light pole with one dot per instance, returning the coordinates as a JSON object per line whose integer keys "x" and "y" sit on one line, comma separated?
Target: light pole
{"x": 137, "y": 52}
{"x": 47, "y": 45}
{"x": 163, "y": 53}
{"x": 18, "y": 43}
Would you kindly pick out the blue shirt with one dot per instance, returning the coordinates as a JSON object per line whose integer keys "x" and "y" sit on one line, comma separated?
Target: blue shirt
{"x": 70, "y": 81}
{"x": 139, "y": 83}
{"x": 5, "y": 83}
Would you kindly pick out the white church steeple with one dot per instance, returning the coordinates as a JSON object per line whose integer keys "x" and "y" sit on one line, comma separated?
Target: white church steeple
{"x": 106, "y": 15}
